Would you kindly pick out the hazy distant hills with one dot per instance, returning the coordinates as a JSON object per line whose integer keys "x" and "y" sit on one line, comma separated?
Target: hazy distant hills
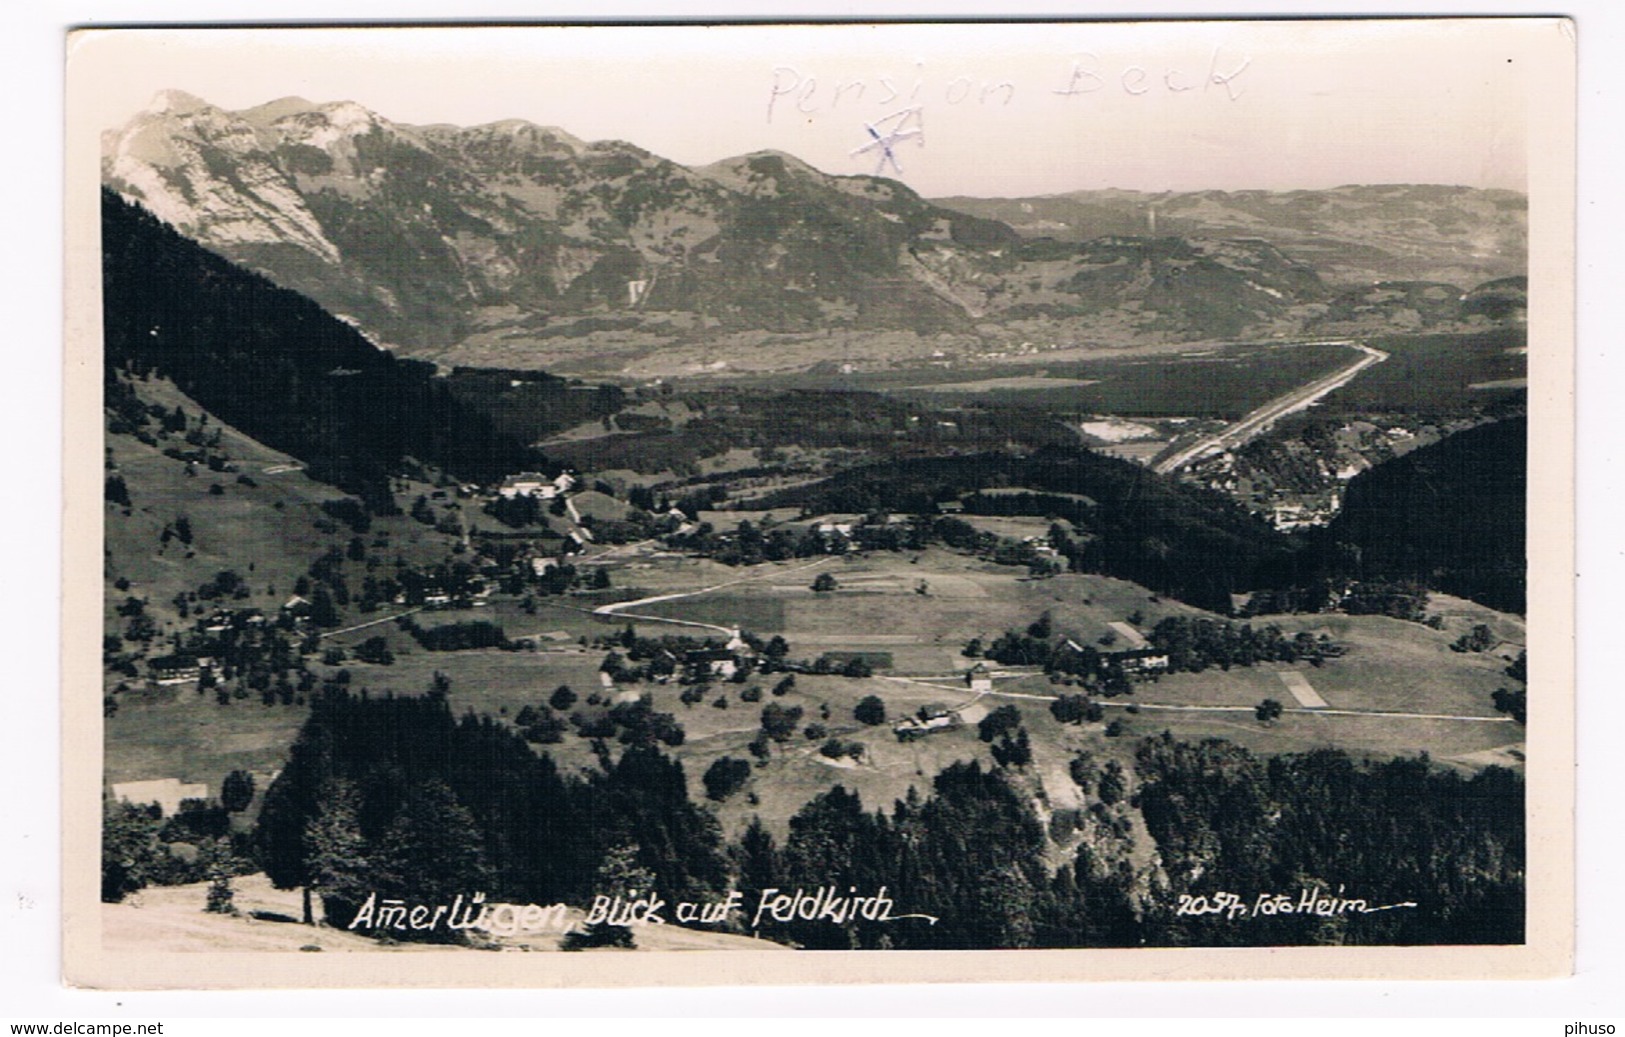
{"x": 525, "y": 242}
{"x": 1350, "y": 235}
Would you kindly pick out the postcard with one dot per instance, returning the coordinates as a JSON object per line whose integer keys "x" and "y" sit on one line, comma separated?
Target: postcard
{"x": 1069, "y": 500}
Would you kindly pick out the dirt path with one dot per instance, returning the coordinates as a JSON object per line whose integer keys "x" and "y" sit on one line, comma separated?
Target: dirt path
{"x": 1147, "y": 706}
{"x": 370, "y": 623}
{"x": 618, "y": 608}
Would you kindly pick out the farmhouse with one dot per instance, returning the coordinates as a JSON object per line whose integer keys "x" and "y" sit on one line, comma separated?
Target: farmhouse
{"x": 174, "y": 669}
{"x": 718, "y": 662}
{"x": 1140, "y": 660}
{"x": 535, "y": 484}
{"x": 928, "y": 720}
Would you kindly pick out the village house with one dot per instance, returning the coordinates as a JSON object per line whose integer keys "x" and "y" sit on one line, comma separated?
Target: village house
{"x": 535, "y": 484}
{"x": 527, "y": 484}
{"x": 718, "y": 662}
{"x": 1140, "y": 660}
{"x": 174, "y": 669}
{"x": 928, "y": 720}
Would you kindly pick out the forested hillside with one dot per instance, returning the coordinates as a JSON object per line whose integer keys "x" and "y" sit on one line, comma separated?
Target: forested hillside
{"x": 1132, "y": 523}
{"x": 1451, "y": 515}
{"x": 381, "y": 788}
{"x": 275, "y": 365}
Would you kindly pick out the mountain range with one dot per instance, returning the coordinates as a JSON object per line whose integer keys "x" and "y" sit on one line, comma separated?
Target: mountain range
{"x": 525, "y": 240}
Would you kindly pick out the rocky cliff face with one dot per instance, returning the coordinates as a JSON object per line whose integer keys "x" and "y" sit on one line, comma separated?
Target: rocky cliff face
{"x": 518, "y": 241}
{"x": 426, "y": 234}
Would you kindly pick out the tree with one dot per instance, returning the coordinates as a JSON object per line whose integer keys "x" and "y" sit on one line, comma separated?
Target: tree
{"x": 1268, "y": 711}
{"x": 725, "y": 777}
{"x": 1042, "y": 628}
{"x": 562, "y": 698}
{"x": 1014, "y": 751}
{"x": 237, "y": 791}
{"x": 130, "y": 851}
{"x": 340, "y": 865}
{"x": 1001, "y": 721}
{"x": 375, "y": 650}
{"x": 779, "y": 722}
{"x": 433, "y": 849}
{"x": 1113, "y": 783}
{"x": 870, "y": 710}
{"x": 217, "y": 863}
{"x": 619, "y": 875}
{"x": 824, "y": 583}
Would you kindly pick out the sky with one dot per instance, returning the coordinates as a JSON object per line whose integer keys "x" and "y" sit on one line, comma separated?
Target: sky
{"x": 980, "y": 109}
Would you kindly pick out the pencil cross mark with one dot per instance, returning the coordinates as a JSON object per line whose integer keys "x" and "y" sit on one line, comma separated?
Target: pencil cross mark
{"x": 907, "y": 124}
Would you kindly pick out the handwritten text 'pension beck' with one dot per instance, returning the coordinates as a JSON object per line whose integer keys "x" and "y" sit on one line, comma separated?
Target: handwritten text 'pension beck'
{"x": 793, "y": 91}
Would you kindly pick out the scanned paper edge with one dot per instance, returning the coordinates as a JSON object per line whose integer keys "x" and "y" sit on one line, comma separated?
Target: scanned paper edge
{"x": 1546, "y": 43}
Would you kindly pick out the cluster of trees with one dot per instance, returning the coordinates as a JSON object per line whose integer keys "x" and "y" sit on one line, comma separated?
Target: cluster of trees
{"x": 395, "y": 796}
{"x": 1395, "y": 832}
{"x": 540, "y": 725}
{"x": 1194, "y": 643}
{"x": 875, "y": 424}
{"x": 1479, "y": 639}
{"x": 1128, "y": 522}
{"x": 1515, "y": 701}
{"x": 251, "y": 656}
{"x": 138, "y": 844}
{"x": 1077, "y": 709}
{"x": 630, "y": 723}
{"x": 1399, "y": 599}
{"x": 455, "y": 637}
{"x": 725, "y": 777}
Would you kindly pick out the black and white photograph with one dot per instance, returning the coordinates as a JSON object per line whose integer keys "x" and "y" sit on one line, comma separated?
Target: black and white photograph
{"x": 703, "y": 495}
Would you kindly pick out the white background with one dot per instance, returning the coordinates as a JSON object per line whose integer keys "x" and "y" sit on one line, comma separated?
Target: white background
{"x": 32, "y": 43}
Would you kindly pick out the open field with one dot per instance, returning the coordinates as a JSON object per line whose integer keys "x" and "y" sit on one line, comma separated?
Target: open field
{"x": 1227, "y": 382}
{"x": 1435, "y": 374}
{"x": 1028, "y": 381}
{"x": 181, "y": 734}
{"x": 1390, "y": 667}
